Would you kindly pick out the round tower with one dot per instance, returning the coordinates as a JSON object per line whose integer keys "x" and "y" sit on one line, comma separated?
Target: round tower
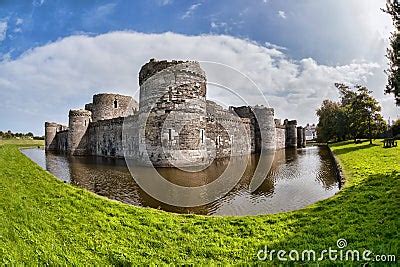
{"x": 173, "y": 110}
{"x": 78, "y": 124}
{"x": 300, "y": 137}
{"x": 50, "y": 131}
{"x": 266, "y": 126}
{"x": 109, "y": 106}
{"x": 291, "y": 133}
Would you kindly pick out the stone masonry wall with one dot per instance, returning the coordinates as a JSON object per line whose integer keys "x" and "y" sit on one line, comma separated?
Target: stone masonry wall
{"x": 173, "y": 110}
{"x": 226, "y": 133}
{"x": 77, "y": 133}
{"x": 280, "y": 137}
{"x": 173, "y": 123}
{"x": 62, "y": 141}
{"x": 108, "y": 106}
{"x": 105, "y": 138}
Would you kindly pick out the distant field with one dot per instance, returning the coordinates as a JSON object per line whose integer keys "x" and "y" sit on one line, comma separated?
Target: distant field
{"x": 44, "y": 221}
{"x": 22, "y": 142}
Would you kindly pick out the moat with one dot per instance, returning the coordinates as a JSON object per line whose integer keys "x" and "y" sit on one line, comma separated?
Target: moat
{"x": 298, "y": 177}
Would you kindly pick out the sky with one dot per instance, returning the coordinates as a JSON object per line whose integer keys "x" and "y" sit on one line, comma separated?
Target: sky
{"x": 54, "y": 55}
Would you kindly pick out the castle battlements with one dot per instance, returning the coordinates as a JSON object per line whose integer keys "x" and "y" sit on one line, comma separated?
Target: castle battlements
{"x": 172, "y": 122}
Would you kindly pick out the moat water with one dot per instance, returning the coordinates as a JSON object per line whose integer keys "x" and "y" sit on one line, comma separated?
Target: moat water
{"x": 297, "y": 178}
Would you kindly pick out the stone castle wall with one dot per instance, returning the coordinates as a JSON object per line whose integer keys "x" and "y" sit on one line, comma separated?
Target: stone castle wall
{"x": 280, "y": 135}
{"x": 173, "y": 123}
{"x": 226, "y": 133}
{"x": 105, "y": 138}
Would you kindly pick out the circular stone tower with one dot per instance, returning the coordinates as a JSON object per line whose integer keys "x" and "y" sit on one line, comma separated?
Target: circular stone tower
{"x": 109, "y": 106}
{"x": 266, "y": 125}
{"x": 78, "y": 124}
{"x": 173, "y": 111}
{"x": 291, "y": 133}
{"x": 50, "y": 131}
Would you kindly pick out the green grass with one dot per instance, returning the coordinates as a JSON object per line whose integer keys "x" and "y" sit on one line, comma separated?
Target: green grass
{"x": 22, "y": 142}
{"x": 44, "y": 221}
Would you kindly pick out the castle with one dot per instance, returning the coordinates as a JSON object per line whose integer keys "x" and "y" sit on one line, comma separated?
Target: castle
{"x": 173, "y": 123}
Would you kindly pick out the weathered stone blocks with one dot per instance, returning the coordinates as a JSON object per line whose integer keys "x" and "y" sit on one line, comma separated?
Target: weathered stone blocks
{"x": 172, "y": 125}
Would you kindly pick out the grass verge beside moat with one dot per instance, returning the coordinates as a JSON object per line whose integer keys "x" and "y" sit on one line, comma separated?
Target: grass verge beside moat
{"x": 43, "y": 220}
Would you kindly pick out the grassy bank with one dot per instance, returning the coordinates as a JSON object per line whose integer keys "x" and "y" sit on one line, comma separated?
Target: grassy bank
{"x": 43, "y": 220}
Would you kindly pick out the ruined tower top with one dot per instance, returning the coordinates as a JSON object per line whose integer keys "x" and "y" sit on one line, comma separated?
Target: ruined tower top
{"x": 154, "y": 66}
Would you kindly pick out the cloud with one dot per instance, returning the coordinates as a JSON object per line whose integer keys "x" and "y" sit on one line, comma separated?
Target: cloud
{"x": 97, "y": 15}
{"x": 274, "y": 46}
{"x": 282, "y": 14}
{"x": 45, "y": 82}
{"x": 38, "y": 3}
{"x": 220, "y": 26}
{"x": 19, "y": 21}
{"x": 104, "y": 10}
{"x": 164, "y": 2}
{"x": 3, "y": 30}
{"x": 190, "y": 11}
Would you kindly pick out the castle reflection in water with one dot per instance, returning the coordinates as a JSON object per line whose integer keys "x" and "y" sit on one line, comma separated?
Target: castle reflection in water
{"x": 297, "y": 178}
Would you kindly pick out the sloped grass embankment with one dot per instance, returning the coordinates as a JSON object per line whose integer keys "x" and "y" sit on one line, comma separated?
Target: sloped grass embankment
{"x": 43, "y": 220}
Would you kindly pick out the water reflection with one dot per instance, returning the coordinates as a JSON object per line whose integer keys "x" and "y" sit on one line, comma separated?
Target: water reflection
{"x": 296, "y": 179}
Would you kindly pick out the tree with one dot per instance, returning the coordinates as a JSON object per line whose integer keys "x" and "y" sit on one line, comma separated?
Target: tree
{"x": 363, "y": 110}
{"x": 396, "y": 128}
{"x": 357, "y": 115}
{"x": 393, "y": 52}
{"x": 329, "y": 127}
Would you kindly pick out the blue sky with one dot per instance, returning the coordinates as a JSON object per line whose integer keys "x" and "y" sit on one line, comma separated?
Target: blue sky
{"x": 309, "y": 43}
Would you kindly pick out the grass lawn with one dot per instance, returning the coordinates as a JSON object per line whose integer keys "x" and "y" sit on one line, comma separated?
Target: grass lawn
{"x": 22, "y": 142}
{"x": 43, "y": 220}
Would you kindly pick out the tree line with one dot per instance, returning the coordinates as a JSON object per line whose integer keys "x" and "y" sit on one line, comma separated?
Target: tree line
{"x": 356, "y": 115}
{"x": 10, "y": 135}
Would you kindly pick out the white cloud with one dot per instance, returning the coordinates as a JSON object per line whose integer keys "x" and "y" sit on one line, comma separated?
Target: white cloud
{"x": 190, "y": 11}
{"x": 3, "y": 30}
{"x": 220, "y": 26}
{"x": 274, "y": 46}
{"x": 104, "y": 10}
{"x": 164, "y": 2}
{"x": 45, "y": 82}
{"x": 98, "y": 14}
{"x": 282, "y": 14}
{"x": 38, "y": 3}
{"x": 19, "y": 21}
